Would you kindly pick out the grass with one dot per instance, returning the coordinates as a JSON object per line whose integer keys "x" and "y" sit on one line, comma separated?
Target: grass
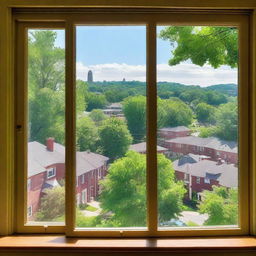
{"x": 91, "y": 208}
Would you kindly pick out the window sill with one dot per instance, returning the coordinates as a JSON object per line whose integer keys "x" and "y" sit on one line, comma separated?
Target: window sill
{"x": 39, "y": 243}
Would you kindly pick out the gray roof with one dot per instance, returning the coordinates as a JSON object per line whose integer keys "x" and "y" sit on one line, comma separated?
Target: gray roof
{"x": 175, "y": 129}
{"x": 191, "y": 159}
{"x": 141, "y": 147}
{"x": 115, "y": 105}
{"x": 39, "y": 158}
{"x": 226, "y": 174}
{"x": 210, "y": 142}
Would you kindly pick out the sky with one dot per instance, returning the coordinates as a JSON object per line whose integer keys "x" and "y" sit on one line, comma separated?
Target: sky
{"x": 117, "y": 52}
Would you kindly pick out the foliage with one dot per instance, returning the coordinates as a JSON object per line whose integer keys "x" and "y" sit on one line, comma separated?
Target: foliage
{"x": 124, "y": 190}
{"x": 46, "y": 115}
{"x": 83, "y": 221}
{"x": 115, "y": 137}
{"x": 95, "y": 101}
{"x": 173, "y": 113}
{"x": 81, "y": 93}
{"x": 210, "y": 131}
{"x": 227, "y": 121}
{"x": 86, "y": 134}
{"x": 221, "y": 205}
{"x": 52, "y": 204}
{"x": 211, "y": 45}
{"x": 46, "y": 63}
{"x": 97, "y": 116}
{"x": 205, "y": 113}
{"x": 135, "y": 113}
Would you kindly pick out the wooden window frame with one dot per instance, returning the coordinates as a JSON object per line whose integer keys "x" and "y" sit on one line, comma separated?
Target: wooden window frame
{"x": 7, "y": 99}
{"x": 150, "y": 20}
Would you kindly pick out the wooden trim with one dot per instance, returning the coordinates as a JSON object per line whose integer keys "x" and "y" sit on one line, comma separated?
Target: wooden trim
{"x": 152, "y": 202}
{"x": 21, "y": 139}
{"x": 214, "y": 4}
{"x": 253, "y": 124}
{"x": 63, "y": 244}
{"x": 70, "y": 127}
{"x": 6, "y": 121}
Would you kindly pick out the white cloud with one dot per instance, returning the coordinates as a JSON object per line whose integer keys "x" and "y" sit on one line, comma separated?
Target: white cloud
{"x": 184, "y": 73}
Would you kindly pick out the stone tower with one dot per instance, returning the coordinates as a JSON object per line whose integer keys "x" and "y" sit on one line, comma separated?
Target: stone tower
{"x": 89, "y": 77}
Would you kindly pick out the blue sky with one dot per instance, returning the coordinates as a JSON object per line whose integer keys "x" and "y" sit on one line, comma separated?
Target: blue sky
{"x": 117, "y": 52}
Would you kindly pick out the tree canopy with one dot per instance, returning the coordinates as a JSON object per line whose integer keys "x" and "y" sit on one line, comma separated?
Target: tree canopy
{"x": 135, "y": 113}
{"x": 124, "y": 190}
{"x": 211, "y": 45}
{"x": 115, "y": 137}
{"x": 221, "y": 205}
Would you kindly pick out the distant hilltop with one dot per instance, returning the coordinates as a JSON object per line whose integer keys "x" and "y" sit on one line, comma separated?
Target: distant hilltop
{"x": 227, "y": 89}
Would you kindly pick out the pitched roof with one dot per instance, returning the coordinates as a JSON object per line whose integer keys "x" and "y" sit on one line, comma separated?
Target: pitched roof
{"x": 226, "y": 174}
{"x": 142, "y": 148}
{"x": 39, "y": 158}
{"x": 191, "y": 159}
{"x": 175, "y": 129}
{"x": 210, "y": 142}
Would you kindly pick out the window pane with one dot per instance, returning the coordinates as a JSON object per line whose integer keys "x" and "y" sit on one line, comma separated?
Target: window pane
{"x": 111, "y": 126}
{"x": 46, "y": 126}
{"x": 197, "y": 70}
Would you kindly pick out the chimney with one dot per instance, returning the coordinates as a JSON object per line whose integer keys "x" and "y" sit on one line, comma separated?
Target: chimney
{"x": 50, "y": 144}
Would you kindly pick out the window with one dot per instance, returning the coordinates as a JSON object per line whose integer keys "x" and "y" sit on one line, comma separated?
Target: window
{"x": 82, "y": 159}
{"x": 29, "y": 184}
{"x": 198, "y": 180}
{"x": 30, "y": 211}
{"x": 207, "y": 181}
{"x": 83, "y": 179}
{"x": 51, "y": 172}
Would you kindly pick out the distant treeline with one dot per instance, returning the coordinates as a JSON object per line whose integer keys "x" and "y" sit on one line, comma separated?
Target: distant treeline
{"x": 116, "y": 91}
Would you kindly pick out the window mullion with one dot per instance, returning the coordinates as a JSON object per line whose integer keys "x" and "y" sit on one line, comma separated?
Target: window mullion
{"x": 151, "y": 130}
{"x": 70, "y": 128}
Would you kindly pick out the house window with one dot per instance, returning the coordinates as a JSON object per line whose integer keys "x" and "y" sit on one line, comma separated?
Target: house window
{"x": 186, "y": 177}
{"x": 207, "y": 181}
{"x": 146, "y": 67}
{"x": 30, "y": 211}
{"x": 51, "y": 172}
{"x": 84, "y": 196}
{"x": 83, "y": 178}
{"x": 29, "y": 184}
{"x": 198, "y": 180}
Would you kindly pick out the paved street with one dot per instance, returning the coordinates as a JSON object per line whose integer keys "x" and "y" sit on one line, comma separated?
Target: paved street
{"x": 195, "y": 217}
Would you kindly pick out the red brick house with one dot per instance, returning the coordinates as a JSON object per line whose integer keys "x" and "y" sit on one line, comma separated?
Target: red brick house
{"x": 201, "y": 174}
{"x": 213, "y": 147}
{"x": 46, "y": 168}
{"x": 173, "y": 132}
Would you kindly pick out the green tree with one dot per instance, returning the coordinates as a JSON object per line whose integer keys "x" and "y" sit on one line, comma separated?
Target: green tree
{"x": 115, "y": 137}
{"x": 205, "y": 113}
{"x": 46, "y": 62}
{"x": 227, "y": 121}
{"x": 46, "y": 115}
{"x": 86, "y": 134}
{"x": 211, "y": 45}
{"x": 135, "y": 113}
{"x": 81, "y": 94}
{"x": 98, "y": 116}
{"x": 46, "y": 76}
{"x": 124, "y": 190}
{"x": 174, "y": 113}
{"x": 52, "y": 204}
{"x": 221, "y": 205}
{"x": 95, "y": 101}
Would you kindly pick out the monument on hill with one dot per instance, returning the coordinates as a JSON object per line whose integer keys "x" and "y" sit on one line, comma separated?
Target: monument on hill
{"x": 89, "y": 77}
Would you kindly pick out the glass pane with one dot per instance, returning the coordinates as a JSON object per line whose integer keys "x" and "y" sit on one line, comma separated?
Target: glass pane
{"x": 111, "y": 126}
{"x": 46, "y": 126}
{"x": 197, "y": 81}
